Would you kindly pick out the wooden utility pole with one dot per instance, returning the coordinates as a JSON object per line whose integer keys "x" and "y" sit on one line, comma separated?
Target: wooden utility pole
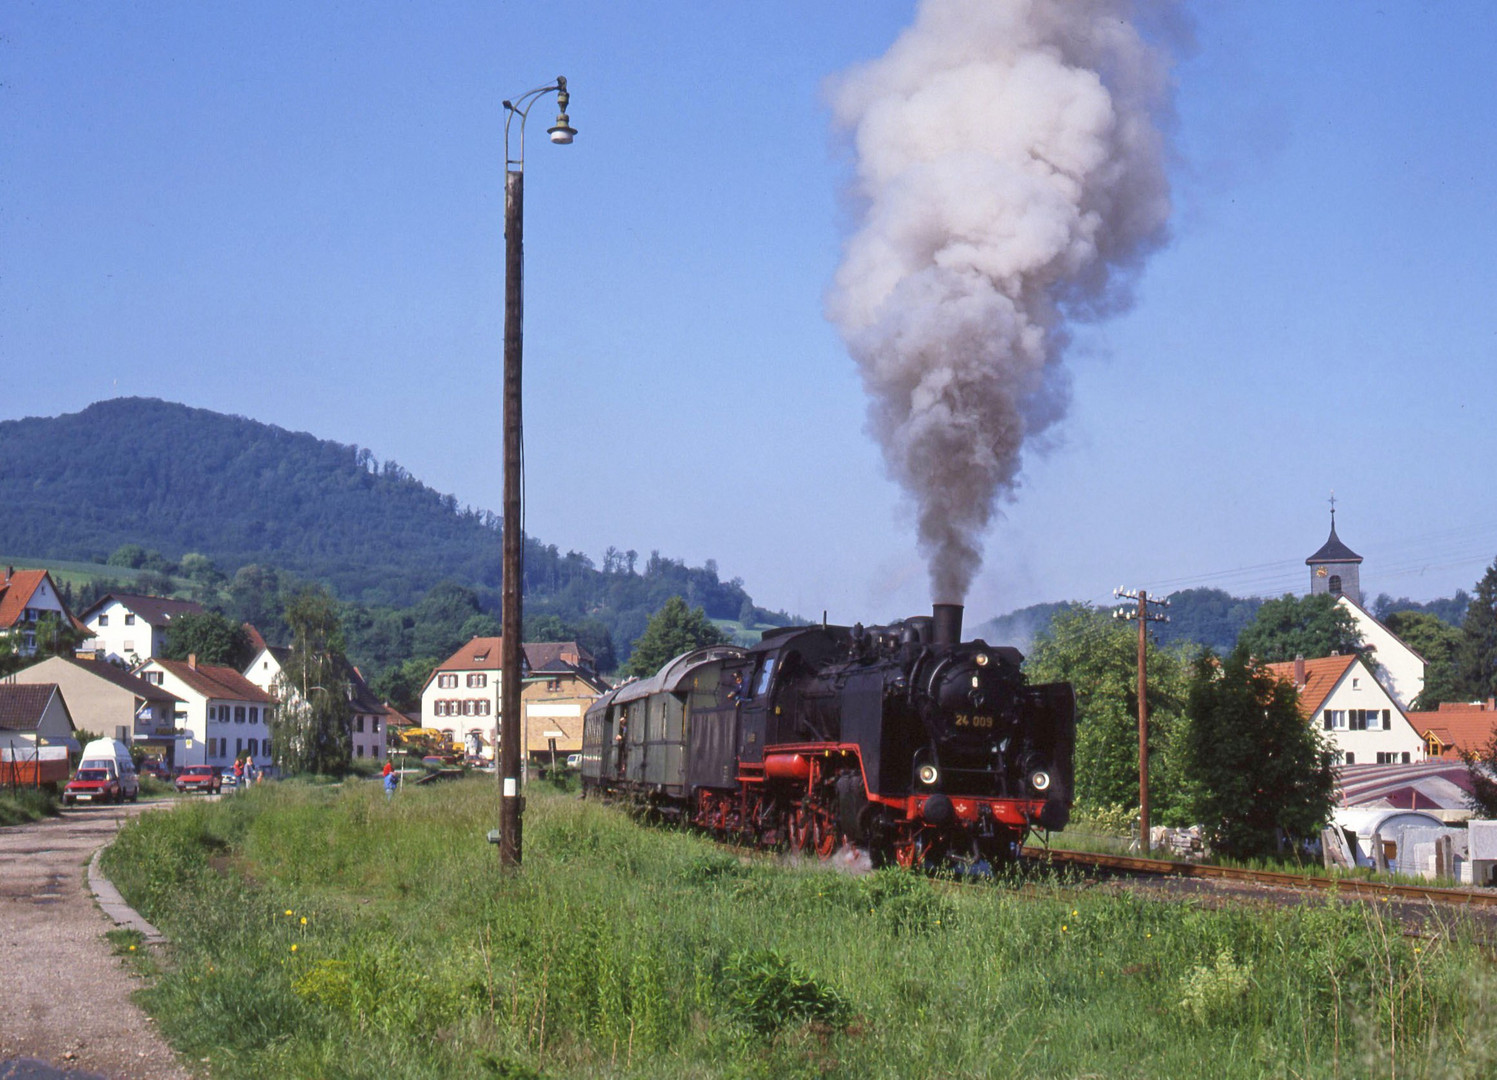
{"x": 511, "y": 805}
{"x": 1142, "y": 614}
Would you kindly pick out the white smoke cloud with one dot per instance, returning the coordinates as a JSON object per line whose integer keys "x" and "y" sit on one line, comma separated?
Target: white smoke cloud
{"x": 1012, "y": 174}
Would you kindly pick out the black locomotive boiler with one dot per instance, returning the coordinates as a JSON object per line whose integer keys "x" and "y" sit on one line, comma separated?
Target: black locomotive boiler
{"x": 903, "y": 740}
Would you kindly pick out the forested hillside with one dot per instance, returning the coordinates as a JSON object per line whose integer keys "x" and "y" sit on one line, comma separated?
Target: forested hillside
{"x": 260, "y": 506}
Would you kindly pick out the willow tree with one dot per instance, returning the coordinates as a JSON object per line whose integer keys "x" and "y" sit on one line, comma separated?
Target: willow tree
{"x": 311, "y": 730}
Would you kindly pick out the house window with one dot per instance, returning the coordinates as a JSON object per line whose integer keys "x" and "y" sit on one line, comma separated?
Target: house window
{"x": 129, "y": 619}
{"x": 485, "y": 707}
{"x": 1335, "y": 720}
{"x": 1405, "y": 757}
{"x": 478, "y": 680}
{"x": 103, "y": 620}
{"x": 374, "y": 724}
{"x": 359, "y": 750}
{"x": 129, "y": 646}
{"x": 238, "y": 714}
{"x": 254, "y": 745}
{"x": 358, "y": 724}
{"x": 153, "y": 677}
{"x": 553, "y": 684}
{"x": 447, "y": 681}
{"x": 1351, "y": 759}
{"x": 254, "y": 714}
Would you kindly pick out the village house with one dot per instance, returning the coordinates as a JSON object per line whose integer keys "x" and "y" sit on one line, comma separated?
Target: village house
{"x": 223, "y": 715}
{"x": 34, "y": 714}
{"x": 1356, "y": 714}
{"x": 127, "y": 628}
{"x": 111, "y": 702}
{"x": 462, "y": 696}
{"x": 25, "y": 597}
{"x": 367, "y": 721}
{"x": 1456, "y": 727}
{"x": 1399, "y": 668}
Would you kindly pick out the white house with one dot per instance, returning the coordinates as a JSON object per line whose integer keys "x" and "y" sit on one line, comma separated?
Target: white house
{"x": 34, "y": 714}
{"x": 25, "y": 596}
{"x": 367, "y": 713}
{"x": 127, "y": 628}
{"x": 1399, "y": 668}
{"x": 1340, "y": 697}
{"x": 461, "y": 696}
{"x": 223, "y": 715}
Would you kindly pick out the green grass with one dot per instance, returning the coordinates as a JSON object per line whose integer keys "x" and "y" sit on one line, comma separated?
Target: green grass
{"x": 23, "y": 804}
{"x": 320, "y": 931}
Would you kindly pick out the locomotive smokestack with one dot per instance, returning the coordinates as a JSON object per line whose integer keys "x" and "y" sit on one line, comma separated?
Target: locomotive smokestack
{"x": 948, "y": 623}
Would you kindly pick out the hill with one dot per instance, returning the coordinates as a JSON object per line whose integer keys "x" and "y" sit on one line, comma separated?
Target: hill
{"x": 247, "y": 495}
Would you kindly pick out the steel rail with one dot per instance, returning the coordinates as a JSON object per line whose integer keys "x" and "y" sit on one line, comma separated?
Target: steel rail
{"x": 1166, "y": 868}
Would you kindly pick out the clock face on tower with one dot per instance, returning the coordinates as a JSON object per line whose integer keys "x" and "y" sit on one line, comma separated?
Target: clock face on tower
{"x": 1320, "y": 571}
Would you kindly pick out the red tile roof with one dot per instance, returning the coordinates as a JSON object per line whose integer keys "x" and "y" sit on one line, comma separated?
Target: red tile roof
{"x": 1457, "y": 726}
{"x": 479, "y": 654}
{"x": 215, "y": 681}
{"x": 16, "y": 592}
{"x": 1321, "y": 677}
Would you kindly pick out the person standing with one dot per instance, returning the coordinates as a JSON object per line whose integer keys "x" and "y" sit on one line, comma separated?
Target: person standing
{"x": 390, "y": 780}
{"x": 238, "y": 773}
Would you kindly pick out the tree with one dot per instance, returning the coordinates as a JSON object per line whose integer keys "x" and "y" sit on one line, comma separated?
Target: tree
{"x": 1440, "y": 645}
{"x": 1308, "y": 626}
{"x": 1477, "y": 660}
{"x": 401, "y": 685}
{"x": 129, "y": 556}
{"x": 1098, "y": 656}
{"x": 211, "y": 637}
{"x": 1260, "y": 774}
{"x": 1481, "y": 767}
{"x": 673, "y": 630}
{"x": 310, "y": 732}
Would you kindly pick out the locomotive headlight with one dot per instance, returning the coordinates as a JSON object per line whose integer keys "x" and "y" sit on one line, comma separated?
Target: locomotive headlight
{"x": 928, "y": 775}
{"x": 976, "y": 682}
{"x": 1039, "y": 780}
{"x": 981, "y": 659}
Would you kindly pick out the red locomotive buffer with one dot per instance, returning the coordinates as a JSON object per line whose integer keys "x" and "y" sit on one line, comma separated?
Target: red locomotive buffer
{"x": 902, "y": 740}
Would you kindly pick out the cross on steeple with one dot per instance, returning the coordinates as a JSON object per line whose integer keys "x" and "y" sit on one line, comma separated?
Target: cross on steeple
{"x": 1333, "y": 507}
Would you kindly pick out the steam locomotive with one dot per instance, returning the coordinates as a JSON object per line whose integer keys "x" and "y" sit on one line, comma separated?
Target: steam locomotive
{"x": 902, "y": 740}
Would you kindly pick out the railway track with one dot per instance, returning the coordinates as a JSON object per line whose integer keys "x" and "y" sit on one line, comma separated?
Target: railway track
{"x": 1131, "y": 864}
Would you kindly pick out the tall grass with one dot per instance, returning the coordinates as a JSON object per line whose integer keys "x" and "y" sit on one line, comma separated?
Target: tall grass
{"x": 324, "y": 932}
{"x": 18, "y": 804}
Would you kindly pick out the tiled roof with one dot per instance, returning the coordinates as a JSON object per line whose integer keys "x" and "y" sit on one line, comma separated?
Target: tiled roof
{"x": 1458, "y": 726}
{"x": 119, "y": 677}
{"x": 1321, "y": 677}
{"x": 215, "y": 681}
{"x": 16, "y": 592}
{"x": 479, "y": 654}
{"x": 159, "y": 611}
{"x": 557, "y": 655}
{"x": 257, "y": 641}
{"x": 22, "y": 704}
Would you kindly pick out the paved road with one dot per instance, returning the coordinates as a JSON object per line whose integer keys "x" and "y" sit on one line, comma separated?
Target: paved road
{"x": 64, "y": 995}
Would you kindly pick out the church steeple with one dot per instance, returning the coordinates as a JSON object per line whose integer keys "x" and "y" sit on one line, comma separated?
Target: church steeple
{"x": 1335, "y": 568}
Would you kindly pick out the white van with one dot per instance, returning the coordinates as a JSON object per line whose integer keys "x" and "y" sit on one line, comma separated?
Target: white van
{"x": 112, "y": 758}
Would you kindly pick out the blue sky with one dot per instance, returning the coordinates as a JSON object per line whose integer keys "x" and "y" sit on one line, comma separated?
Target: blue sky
{"x": 293, "y": 212}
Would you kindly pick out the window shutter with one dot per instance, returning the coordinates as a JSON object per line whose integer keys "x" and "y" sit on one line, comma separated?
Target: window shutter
{"x": 1327, "y": 715}
{"x": 1387, "y": 719}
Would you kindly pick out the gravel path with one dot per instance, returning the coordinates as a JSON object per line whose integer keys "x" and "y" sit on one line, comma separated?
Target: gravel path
{"x": 64, "y": 995}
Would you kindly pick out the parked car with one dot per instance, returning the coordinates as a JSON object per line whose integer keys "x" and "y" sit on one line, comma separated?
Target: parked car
{"x": 156, "y": 769}
{"x": 93, "y": 785}
{"x": 106, "y": 773}
{"x": 574, "y": 761}
{"x": 207, "y": 778}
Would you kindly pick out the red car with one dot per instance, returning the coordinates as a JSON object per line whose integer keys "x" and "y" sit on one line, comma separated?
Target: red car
{"x": 201, "y": 778}
{"x": 94, "y": 785}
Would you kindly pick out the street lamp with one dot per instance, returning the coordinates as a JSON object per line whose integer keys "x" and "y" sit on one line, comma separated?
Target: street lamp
{"x": 511, "y": 805}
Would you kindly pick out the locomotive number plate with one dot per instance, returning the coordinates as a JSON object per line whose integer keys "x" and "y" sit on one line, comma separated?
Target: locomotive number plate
{"x": 971, "y": 720}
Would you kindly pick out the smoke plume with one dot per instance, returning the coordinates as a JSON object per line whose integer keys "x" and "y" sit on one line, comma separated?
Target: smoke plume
{"x": 1011, "y": 176}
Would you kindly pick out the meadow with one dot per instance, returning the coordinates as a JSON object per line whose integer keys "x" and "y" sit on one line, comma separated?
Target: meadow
{"x": 319, "y": 931}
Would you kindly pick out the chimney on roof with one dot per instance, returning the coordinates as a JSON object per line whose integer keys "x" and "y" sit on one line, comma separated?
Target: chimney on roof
{"x": 9, "y": 570}
{"x": 192, "y": 660}
{"x": 1299, "y": 670}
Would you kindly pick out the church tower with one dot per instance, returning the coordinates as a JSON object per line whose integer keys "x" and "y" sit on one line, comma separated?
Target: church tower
{"x": 1335, "y": 568}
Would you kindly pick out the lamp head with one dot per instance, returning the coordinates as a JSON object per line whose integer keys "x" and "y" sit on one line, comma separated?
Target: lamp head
{"x": 563, "y": 132}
